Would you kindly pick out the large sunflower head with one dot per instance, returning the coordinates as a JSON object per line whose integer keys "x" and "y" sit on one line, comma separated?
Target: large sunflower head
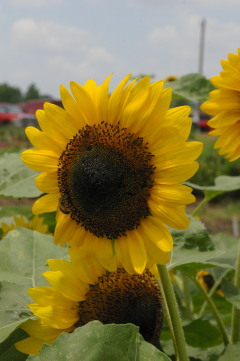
{"x": 223, "y": 105}
{"x": 82, "y": 291}
{"x": 112, "y": 167}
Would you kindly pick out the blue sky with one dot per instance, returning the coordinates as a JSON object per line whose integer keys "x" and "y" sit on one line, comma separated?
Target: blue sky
{"x": 51, "y": 42}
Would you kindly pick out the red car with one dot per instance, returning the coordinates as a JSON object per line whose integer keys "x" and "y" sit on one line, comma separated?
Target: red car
{"x": 203, "y": 123}
{"x": 13, "y": 114}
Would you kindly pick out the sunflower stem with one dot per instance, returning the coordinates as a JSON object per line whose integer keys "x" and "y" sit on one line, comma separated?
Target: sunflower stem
{"x": 235, "y": 322}
{"x": 180, "y": 344}
{"x": 187, "y": 296}
{"x": 199, "y": 207}
{"x": 167, "y": 315}
{"x": 211, "y": 292}
{"x": 214, "y": 310}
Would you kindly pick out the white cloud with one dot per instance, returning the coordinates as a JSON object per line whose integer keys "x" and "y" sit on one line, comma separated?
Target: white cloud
{"x": 35, "y": 3}
{"x": 50, "y": 54}
{"x": 211, "y": 4}
{"x": 50, "y": 36}
{"x": 176, "y": 46}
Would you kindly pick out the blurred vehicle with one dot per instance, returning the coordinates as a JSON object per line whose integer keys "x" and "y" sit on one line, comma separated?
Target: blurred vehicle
{"x": 202, "y": 124}
{"x": 13, "y": 114}
{"x": 30, "y": 106}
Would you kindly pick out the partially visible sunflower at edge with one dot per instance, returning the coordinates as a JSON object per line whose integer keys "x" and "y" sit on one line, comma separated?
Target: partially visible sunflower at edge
{"x": 112, "y": 167}
{"x": 82, "y": 291}
{"x": 224, "y": 106}
{"x": 36, "y": 224}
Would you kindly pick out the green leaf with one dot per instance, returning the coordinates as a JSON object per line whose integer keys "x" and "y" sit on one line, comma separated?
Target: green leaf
{"x": 16, "y": 179}
{"x": 13, "y": 310}
{"x": 8, "y": 352}
{"x": 98, "y": 342}
{"x": 193, "y": 245}
{"x": 223, "y": 183}
{"x": 23, "y": 255}
{"x": 229, "y": 246}
{"x": 232, "y": 293}
{"x": 201, "y": 333}
{"x": 193, "y": 87}
{"x": 231, "y": 353}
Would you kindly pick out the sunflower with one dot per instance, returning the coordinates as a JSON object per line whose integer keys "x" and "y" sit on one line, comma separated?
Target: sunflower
{"x": 112, "y": 166}
{"x": 207, "y": 281}
{"x": 36, "y": 224}
{"x": 82, "y": 291}
{"x": 224, "y": 106}
{"x": 171, "y": 78}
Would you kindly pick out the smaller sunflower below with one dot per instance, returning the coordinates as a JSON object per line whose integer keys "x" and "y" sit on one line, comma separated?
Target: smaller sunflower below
{"x": 82, "y": 291}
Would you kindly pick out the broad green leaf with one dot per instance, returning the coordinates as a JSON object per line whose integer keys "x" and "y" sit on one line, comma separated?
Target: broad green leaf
{"x": 223, "y": 183}
{"x": 192, "y": 87}
{"x": 23, "y": 255}
{"x": 209, "y": 354}
{"x": 98, "y": 342}
{"x": 231, "y": 293}
{"x": 201, "y": 333}
{"x": 8, "y": 352}
{"x": 193, "y": 245}
{"x": 197, "y": 353}
{"x": 231, "y": 353}
{"x": 229, "y": 246}
{"x": 16, "y": 179}
{"x": 13, "y": 307}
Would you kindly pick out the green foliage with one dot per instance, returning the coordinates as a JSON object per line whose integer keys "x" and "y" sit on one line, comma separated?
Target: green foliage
{"x": 16, "y": 179}
{"x": 191, "y": 87}
{"x": 223, "y": 184}
{"x": 201, "y": 333}
{"x": 8, "y": 352}
{"x": 10, "y": 94}
{"x": 231, "y": 353}
{"x": 23, "y": 255}
{"x": 192, "y": 245}
{"x": 32, "y": 92}
{"x": 231, "y": 293}
{"x": 98, "y": 342}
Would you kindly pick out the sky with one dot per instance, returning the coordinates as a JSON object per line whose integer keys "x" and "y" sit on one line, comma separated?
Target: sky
{"x": 51, "y": 42}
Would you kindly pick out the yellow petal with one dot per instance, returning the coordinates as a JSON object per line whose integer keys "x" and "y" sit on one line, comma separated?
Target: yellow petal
{"x": 47, "y": 203}
{"x": 176, "y": 174}
{"x": 37, "y": 329}
{"x": 65, "y": 281}
{"x": 122, "y": 253}
{"x": 30, "y": 345}
{"x": 137, "y": 251}
{"x": 85, "y": 103}
{"x": 57, "y": 317}
{"x": 42, "y": 140}
{"x": 65, "y": 229}
{"x": 172, "y": 216}
{"x": 156, "y": 232}
{"x": 40, "y": 160}
{"x": 173, "y": 195}
{"x": 116, "y": 101}
{"x": 47, "y": 182}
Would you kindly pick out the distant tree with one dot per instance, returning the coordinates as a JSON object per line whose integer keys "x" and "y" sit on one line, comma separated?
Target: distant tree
{"x": 10, "y": 94}
{"x": 32, "y": 92}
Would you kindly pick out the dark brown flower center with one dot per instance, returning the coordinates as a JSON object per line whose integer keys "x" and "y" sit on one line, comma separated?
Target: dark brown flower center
{"x": 119, "y": 297}
{"x": 104, "y": 178}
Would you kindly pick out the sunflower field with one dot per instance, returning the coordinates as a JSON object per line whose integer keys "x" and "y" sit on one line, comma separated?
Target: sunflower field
{"x": 107, "y": 254}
